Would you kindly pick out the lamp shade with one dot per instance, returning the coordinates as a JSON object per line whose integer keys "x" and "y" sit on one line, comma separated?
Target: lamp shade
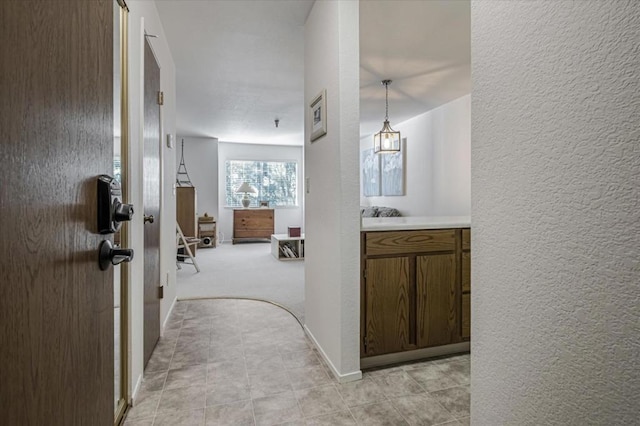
{"x": 246, "y": 188}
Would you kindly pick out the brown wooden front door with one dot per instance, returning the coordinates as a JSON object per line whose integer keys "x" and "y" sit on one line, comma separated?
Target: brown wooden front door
{"x": 151, "y": 199}
{"x": 56, "y": 137}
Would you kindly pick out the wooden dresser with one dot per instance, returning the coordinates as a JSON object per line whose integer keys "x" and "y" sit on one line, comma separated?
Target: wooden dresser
{"x": 252, "y": 224}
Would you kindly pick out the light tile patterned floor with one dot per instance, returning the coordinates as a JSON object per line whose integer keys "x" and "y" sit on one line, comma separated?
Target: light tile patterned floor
{"x": 241, "y": 362}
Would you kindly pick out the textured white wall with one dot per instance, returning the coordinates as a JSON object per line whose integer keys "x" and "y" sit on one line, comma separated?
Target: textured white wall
{"x": 437, "y": 162}
{"x": 332, "y": 221}
{"x": 284, "y": 216}
{"x": 143, "y": 15}
{"x": 555, "y": 213}
{"x": 201, "y": 159}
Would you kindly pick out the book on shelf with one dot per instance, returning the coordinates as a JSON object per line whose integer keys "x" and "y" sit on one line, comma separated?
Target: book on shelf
{"x": 288, "y": 250}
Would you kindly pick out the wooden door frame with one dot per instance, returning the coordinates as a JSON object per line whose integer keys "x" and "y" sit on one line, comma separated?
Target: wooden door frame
{"x": 125, "y": 234}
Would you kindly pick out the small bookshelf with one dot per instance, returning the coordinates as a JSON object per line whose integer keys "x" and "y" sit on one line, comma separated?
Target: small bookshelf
{"x": 284, "y": 247}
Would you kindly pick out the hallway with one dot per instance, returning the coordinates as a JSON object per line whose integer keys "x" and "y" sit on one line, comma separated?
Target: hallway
{"x": 243, "y": 362}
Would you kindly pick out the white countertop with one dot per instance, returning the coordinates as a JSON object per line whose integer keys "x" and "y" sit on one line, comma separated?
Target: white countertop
{"x": 414, "y": 222}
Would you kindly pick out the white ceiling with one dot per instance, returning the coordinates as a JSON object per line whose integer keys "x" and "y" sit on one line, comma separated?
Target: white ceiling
{"x": 240, "y": 64}
{"x": 424, "y": 46}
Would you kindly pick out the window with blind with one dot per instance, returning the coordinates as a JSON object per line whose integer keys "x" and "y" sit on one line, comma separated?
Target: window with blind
{"x": 274, "y": 181}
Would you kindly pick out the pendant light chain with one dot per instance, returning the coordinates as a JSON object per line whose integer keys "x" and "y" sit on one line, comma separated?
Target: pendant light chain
{"x": 386, "y": 97}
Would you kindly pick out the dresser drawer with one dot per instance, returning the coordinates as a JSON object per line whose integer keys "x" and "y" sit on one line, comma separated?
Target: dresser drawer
{"x": 253, "y": 213}
{"x": 254, "y": 223}
{"x": 398, "y": 242}
{"x": 253, "y": 233}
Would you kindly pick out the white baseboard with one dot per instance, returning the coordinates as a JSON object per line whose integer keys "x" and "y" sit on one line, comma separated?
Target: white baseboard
{"x": 342, "y": 378}
{"x": 164, "y": 324}
{"x": 136, "y": 389}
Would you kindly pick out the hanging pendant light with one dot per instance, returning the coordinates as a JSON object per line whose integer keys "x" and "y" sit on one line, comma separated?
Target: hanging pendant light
{"x": 387, "y": 140}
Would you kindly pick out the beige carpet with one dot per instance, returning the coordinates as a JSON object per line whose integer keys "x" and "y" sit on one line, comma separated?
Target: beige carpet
{"x": 244, "y": 270}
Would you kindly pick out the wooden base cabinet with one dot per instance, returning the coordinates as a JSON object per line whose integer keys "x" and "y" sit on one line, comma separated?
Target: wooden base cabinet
{"x": 412, "y": 295}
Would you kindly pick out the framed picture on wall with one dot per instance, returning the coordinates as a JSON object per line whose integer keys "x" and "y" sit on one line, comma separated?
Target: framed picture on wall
{"x": 318, "y": 118}
{"x": 383, "y": 174}
{"x": 392, "y": 174}
{"x": 370, "y": 170}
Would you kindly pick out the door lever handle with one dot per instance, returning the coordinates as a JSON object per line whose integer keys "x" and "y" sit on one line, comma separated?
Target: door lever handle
{"x": 112, "y": 256}
{"x": 149, "y": 218}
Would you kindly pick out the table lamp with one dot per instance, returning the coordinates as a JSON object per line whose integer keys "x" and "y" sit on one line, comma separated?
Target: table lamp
{"x": 246, "y": 189}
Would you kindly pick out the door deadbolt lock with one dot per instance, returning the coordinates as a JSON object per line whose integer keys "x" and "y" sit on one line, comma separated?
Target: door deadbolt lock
{"x": 111, "y": 210}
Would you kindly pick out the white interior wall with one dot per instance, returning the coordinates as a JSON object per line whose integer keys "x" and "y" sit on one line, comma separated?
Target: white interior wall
{"x": 332, "y": 251}
{"x": 201, "y": 160}
{"x": 144, "y": 16}
{"x": 556, "y": 213}
{"x": 437, "y": 162}
{"x": 284, "y": 216}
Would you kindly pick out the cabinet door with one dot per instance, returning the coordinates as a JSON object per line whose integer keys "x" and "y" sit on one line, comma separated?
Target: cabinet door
{"x": 387, "y": 304}
{"x": 437, "y": 315}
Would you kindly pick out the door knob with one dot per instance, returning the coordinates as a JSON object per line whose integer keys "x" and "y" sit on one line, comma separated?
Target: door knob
{"x": 114, "y": 256}
{"x": 149, "y": 218}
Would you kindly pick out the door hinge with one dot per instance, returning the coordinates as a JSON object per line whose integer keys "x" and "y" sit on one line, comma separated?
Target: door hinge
{"x": 160, "y": 98}
{"x": 364, "y": 273}
{"x": 161, "y": 292}
{"x": 364, "y": 342}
